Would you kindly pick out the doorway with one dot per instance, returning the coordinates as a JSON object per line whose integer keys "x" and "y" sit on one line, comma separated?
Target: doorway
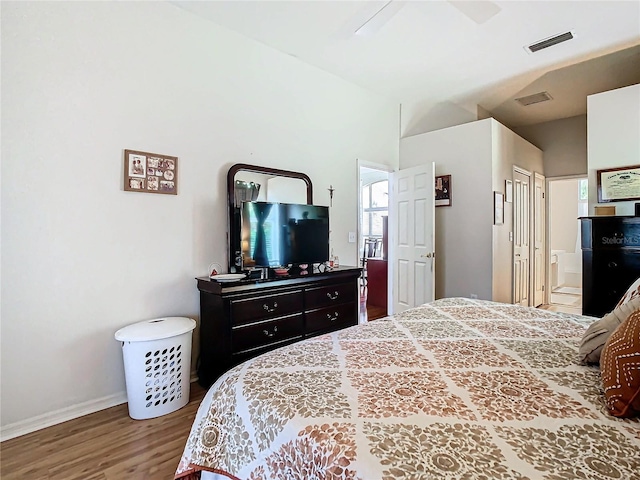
{"x": 373, "y": 211}
{"x": 568, "y": 201}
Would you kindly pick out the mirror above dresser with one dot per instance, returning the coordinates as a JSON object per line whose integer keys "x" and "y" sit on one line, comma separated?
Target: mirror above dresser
{"x": 259, "y": 184}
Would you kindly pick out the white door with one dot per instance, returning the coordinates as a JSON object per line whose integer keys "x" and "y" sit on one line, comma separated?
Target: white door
{"x": 411, "y": 227}
{"x": 521, "y": 275}
{"x": 539, "y": 234}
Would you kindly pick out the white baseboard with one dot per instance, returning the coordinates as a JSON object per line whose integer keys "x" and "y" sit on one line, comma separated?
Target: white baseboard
{"x": 58, "y": 416}
{"x": 45, "y": 420}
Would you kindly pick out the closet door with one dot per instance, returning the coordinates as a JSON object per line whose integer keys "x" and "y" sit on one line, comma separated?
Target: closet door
{"x": 521, "y": 237}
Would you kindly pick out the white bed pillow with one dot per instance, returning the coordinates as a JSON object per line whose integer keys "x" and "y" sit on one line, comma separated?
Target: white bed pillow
{"x": 599, "y": 331}
{"x": 632, "y": 292}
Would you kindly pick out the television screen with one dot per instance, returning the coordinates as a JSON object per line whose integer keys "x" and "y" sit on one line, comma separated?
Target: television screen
{"x": 276, "y": 234}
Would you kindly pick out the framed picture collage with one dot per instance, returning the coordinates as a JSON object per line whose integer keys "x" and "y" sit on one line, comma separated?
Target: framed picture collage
{"x": 150, "y": 173}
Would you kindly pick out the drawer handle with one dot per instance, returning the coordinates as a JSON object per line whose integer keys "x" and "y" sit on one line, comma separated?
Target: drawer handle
{"x": 333, "y": 319}
{"x": 612, "y": 265}
{"x": 270, "y": 334}
{"x": 334, "y": 296}
{"x": 270, "y": 309}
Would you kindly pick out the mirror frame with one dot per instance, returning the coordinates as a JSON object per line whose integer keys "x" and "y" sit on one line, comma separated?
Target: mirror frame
{"x": 231, "y": 199}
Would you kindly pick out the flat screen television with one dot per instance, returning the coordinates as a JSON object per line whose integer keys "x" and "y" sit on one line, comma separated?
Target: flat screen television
{"x": 275, "y": 234}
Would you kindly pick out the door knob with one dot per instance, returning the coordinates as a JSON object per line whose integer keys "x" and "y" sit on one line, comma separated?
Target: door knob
{"x": 427, "y": 255}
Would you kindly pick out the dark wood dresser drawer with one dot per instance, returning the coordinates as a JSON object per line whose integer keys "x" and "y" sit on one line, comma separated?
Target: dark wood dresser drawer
{"x": 259, "y": 334}
{"x": 331, "y": 318}
{"x": 241, "y": 320}
{"x": 610, "y": 261}
{"x": 611, "y": 232}
{"x": 265, "y": 306}
{"x": 331, "y": 295}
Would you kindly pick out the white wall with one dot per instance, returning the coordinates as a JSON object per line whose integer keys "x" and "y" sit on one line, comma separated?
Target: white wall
{"x": 473, "y": 256}
{"x": 286, "y": 190}
{"x": 613, "y": 137}
{"x": 463, "y": 230}
{"x": 421, "y": 117}
{"x": 563, "y": 217}
{"x": 563, "y": 142}
{"x": 81, "y": 81}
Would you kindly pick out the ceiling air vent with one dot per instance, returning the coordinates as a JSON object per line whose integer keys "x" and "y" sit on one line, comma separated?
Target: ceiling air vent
{"x": 535, "y": 98}
{"x": 549, "y": 42}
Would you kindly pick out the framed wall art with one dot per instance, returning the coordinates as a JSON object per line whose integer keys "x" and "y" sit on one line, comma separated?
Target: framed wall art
{"x": 498, "y": 208}
{"x": 150, "y": 172}
{"x": 508, "y": 191}
{"x": 618, "y": 184}
{"x": 443, "y": 191}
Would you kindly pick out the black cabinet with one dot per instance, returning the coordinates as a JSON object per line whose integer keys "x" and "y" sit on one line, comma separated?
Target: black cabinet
{"x": 610, "y": 261}
{"x": 241, "y": 320}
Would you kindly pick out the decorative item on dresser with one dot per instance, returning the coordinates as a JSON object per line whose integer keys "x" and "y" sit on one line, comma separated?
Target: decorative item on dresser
{"x": 241, "y": 320}
{"x": 610, "y": 261}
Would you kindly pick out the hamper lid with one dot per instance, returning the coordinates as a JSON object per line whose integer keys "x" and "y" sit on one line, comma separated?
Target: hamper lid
{"x": 155, "y": 329}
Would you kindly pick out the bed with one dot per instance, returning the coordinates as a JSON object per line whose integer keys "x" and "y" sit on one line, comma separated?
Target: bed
{"x": 454, "y": 389}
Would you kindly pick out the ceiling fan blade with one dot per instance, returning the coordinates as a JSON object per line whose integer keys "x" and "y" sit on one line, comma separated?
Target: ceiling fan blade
{"x": 380, "y": 18}
{"x": 479, "y": 11}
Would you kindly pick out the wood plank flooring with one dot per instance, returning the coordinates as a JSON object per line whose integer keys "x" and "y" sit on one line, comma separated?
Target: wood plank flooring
{"x": 106, "y": 445}
{"x": 562, "y": 308}
{"x": 369, "y": 312}
{"x": 109, "y": 445}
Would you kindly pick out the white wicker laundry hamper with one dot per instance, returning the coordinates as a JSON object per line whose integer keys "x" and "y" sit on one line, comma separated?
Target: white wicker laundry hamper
{"x": 157, "y": 365}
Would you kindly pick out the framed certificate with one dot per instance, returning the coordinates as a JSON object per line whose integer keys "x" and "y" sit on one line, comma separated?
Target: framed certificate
{"x": 618, "y": 184}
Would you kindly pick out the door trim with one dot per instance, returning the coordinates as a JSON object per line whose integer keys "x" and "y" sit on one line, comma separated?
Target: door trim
{"x": 374, "y": 166}
{"x": 580, "y": 176}
{"x": 543, "y": 225}
{"x": 521, "y": 170}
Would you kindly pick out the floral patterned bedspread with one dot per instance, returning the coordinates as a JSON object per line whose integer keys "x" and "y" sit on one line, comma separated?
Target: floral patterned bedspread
{"x": 453, "y": 389}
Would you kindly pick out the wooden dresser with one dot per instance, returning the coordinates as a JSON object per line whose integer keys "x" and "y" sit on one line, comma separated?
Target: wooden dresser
{"x": 610, "y": 261}
{"x": 241, "y": 320}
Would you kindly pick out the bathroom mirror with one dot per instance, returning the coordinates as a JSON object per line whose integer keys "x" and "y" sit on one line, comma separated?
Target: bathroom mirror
{"x": 259, "y": 184}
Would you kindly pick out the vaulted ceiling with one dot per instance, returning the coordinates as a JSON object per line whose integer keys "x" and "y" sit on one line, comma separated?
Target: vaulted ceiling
{"x": 465, "y": 53}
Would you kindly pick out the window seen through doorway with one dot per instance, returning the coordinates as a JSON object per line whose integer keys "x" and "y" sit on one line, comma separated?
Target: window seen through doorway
{"x": 583, "y": 198}
{"x": 375, "y": 205}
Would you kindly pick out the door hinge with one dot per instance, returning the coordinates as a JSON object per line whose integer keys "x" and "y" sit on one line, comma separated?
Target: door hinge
{"x": 543, "y": 288}
{"x": 542, "y": 194}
